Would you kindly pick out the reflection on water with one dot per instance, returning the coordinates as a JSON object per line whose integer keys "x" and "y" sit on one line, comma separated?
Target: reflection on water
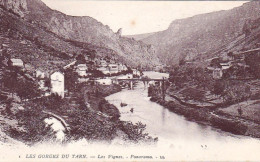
{"x": 163, "y": 116}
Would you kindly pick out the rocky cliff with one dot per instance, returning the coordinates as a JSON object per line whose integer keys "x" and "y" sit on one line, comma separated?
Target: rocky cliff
{"x": 83, "y": 29}
{"x": 202, "y": 36}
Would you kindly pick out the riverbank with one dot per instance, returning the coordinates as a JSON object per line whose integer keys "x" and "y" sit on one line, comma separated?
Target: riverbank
{"x": 214, "y": 118}
{"x": 85, "y": 111}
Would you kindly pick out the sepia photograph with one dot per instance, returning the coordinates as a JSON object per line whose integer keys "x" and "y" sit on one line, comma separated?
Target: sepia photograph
{"x": 122, "y": 80}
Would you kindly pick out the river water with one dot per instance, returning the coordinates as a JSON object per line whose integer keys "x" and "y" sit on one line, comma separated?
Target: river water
{"x": 185, "y": 138}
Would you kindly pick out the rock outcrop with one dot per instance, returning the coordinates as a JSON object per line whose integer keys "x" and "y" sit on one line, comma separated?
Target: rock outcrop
{"x": 202, "y": 36}
{"x": 17, "y": 6}
{"x": 83, "y": 29}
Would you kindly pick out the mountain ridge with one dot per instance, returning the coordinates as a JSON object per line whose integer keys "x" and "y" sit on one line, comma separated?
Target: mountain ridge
{"x": 193, "y": 37}
{"x": 83, "y": 29}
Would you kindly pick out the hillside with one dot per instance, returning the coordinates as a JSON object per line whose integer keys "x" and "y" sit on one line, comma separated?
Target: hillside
{"x": 202, "y": 36}
{"x": 81, "y": 29}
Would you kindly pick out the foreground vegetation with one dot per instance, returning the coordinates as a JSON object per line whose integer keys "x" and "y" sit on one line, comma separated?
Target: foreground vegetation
{"x": 84, "y": 109}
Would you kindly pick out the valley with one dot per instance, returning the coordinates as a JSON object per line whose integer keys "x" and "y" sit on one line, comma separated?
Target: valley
{"x": 70, "y": 80}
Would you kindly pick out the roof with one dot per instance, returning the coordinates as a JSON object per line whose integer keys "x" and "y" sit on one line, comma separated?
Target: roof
{"x": 67, "y": 66}
{"x": 112, "y": 65}
{"x": 82, "y": 65}
{"x": 208, "y": 60}
{"x": 225, "y": 64}
{"x": 248, "y": 51}
{"x": 102, "y": 68}
{"x": 55, "y": 72}
{"x": 17, "y": 61}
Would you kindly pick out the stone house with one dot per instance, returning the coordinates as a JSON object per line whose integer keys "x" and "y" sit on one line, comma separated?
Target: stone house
{"x": 136, "y": 72}
{"x": 104, "y": 70}
{"x": 113, "y": 68}
{"x": 105, "y": 81}
{"x": 81, "y": 69}
{"x": 217, "y": 73}
{"x": 57, "y": 83}
{"x": 103, "y": 63}
{"x": 16, "y": 62}
{"x": 225, "y": 65}
{"x": 39, "y": 74}
{"x": 121, "y": 67}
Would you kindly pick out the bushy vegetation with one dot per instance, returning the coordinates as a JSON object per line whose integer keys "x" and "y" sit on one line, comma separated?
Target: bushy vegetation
{"x": 83, "y": 121}
{"x": 182, "y": 76}
{"x": 232, "y": 91}
{"x": 35, "y": 130}
{"x": 135, "y": 132}
{"x": 15, "y": 82}
{"x": 253, "y": 60}
{"x": 194, "y": 82}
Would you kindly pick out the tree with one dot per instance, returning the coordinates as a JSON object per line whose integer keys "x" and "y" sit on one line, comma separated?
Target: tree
{"x": 253, "y": 61}
{"x": 31, "y": 90}
{"x": 219, "y": 88}
{"x": 10, "y": 79}
{"x": 230, "y": 54}
{"x": 80, "y": 58}
{"x": 181, "y": 62}
{"x": 215, "y": 63}
{"x": 97, "y": 73}
{"x": 47, "y": 82}
{"x": 71, "y": 79}
{"x": 92, "y": 54}
{"x": 8, "y": 106}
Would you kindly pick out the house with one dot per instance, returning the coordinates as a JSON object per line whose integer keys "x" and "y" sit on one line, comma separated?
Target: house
{"x": 39, "y": 74}
{"x": 105, "y": 81}
{"x": 254, "y": 86}
{"x": 122, "y": 67}
{"x": 42, "y": 85}
{"x": 57, "y": 83}
{"x": 225, "y": 66}
{"x": 82, "y": 80}
{"x": 136, "y": 72}
{"x": 217, "y": 73}
{"x": 81, "y": 69}
{"x": 16, "y": 62}
{"x": 158, "y": 68}
{"x": 113, "y": 68}
{"x": 87, "y": 58}
{"x": 103, "y": 63}
{"x": 125, "y": 68}
{"x": 104, "y": 70}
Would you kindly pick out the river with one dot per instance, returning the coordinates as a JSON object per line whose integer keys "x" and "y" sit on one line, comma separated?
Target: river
{"x": 179, "y": 135}
{"x": 179, "y": 139}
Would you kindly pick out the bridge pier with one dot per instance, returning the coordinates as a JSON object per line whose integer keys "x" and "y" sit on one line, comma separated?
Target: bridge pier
{"x": 131, "y": 85}
{"x": 163, "y": 88}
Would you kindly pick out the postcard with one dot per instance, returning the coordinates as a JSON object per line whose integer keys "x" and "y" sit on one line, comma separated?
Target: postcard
{"x": 129, "y": 80}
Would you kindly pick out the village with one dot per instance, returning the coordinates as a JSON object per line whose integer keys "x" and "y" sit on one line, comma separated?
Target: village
{"x": 65, "y": 94}
{"x": 83, "y": 69}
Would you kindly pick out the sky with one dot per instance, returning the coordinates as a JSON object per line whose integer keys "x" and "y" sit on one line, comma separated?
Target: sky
{"x": 138, "y": 17}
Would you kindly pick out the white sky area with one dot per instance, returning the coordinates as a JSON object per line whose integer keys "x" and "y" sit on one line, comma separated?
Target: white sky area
{"x": 137, "y": 17}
